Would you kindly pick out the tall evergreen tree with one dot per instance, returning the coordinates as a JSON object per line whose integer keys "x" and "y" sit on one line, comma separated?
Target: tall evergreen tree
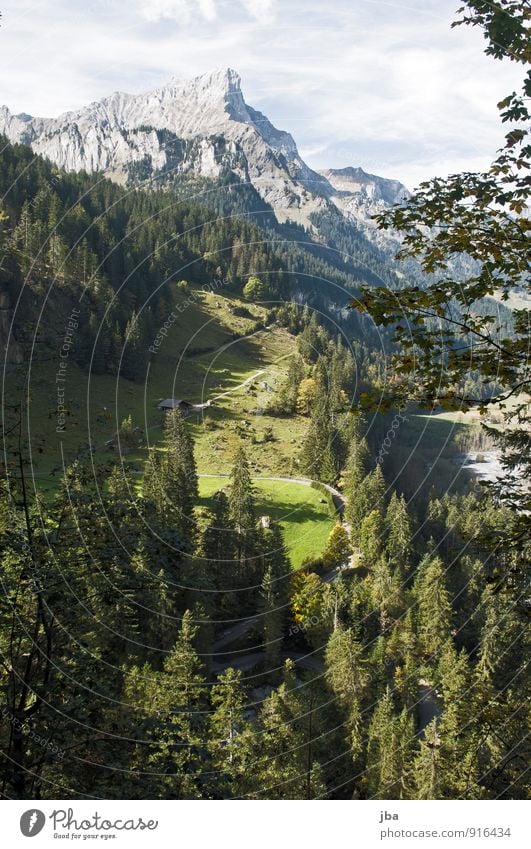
{"x": 459, "y": 767}
{"x": 274, "y": 593}
{"x": 170, "y": 478}
{"x": 389, "y": 747}
{"x": 317, "y": 457}
{"x": 243, "y": 517}
{"x": 371, "y": 538}
{"x": 399, "y": 535}
{"x": 284, "y": 767}
{"x": 217, "y": 545}
{"x": 348, "y": 677}
{"x": 179, "y": 733}
{"x": 228, "y": 737}
{"x": 180, "y": 449}
{"x": 375, "y": 490}
{"x": 434, "y": 611}
{"x": 357, "y": 505}
{"x": 427, "y": 769}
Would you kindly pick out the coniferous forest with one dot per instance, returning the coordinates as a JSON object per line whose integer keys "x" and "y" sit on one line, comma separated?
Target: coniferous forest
{"x": 284, "y": 584}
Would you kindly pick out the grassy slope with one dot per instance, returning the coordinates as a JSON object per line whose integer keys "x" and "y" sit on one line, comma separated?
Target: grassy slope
{"x": 300, "y": 510}
{"x": 98, "y": 404}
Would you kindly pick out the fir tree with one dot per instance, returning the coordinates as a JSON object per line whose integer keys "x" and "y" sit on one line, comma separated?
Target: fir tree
{"x": 228, "y": 733}
{"x": 347, "y": 676}
{"x": 399, "y": 536}
{"x": 180, "y": 449}
{"x": 390, "y": 739}
{"x": 371, "y": 538}
{"x": 427, "y": 769}
{"x": 434, "y": 611}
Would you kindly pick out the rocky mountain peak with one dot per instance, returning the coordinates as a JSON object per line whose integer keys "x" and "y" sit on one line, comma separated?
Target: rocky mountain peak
{"x": 352, "y": 180}
{"x": 199, "y": 127}
{"x": 223, "y": 79}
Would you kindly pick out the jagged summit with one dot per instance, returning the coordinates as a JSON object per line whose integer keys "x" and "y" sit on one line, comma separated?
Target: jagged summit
{"x": 226, "y": 78}
{"x": 197, "y": 127}
{"x": 123, "y": 131}
{"x": 352, "y": 180}
{"x": 200, "y": 106}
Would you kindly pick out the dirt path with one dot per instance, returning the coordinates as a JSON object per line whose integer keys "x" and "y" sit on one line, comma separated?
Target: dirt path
{"x": 230, "y": 635}
{"x": 235, "y": 388}
{"x": 249, "y": 379}
{"x": 250, "y": 661}
{"x": 245, "y": 382}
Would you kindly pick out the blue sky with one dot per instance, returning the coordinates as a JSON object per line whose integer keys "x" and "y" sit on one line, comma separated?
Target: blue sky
{"x": 385, "y": 85}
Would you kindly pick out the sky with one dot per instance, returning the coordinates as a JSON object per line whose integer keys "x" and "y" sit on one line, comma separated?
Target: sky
{"x": 387, "y": 86}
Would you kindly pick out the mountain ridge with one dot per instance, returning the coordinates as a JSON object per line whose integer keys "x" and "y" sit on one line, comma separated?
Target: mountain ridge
{"x": 200, "y": 127}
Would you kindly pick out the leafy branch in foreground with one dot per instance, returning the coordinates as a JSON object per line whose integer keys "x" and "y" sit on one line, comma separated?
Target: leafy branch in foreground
{"x": 477, "y": 223}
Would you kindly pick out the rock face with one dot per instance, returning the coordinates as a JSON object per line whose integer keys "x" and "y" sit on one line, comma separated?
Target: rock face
{"x": 356, "y": 182}
{"x": 199, "y": 127}
{"x": 360, "y": 196}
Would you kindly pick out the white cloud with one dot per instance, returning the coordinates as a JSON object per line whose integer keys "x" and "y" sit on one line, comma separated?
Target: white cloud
{"x": 261, "y": 10}
{"x": 183, "y": 11}
{"x": 180, "y": 11}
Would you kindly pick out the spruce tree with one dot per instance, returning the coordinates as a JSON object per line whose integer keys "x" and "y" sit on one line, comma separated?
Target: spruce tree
{"x": 318, "y": 451}
{"x": 283, "y": 763}
{"x": 385, "y": 593}
{"x": 459, "y": 737}
{"x": 170, "y": 479}
{"x": 427, "y": 767}
{"x": 375, "y": 490}
{"x": 399, "y": 536}
{"x": 132, "y": 353}
{"x": 243, "y": 517}
{"x": 180, "y": 731}
{"x": 348, "y": 677}
{"x": 434, "y": 610}
{"x": 180, "y": 449}
{"x": 357, "y": 505}
{"x": 390, "y": 739}
{"x": 228, "y": 733}
{"x": 274, "y": 593}
{"x": 241, "y": 494}
{"x": 217, "y": 545}
{"x": 371, "y": 538}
